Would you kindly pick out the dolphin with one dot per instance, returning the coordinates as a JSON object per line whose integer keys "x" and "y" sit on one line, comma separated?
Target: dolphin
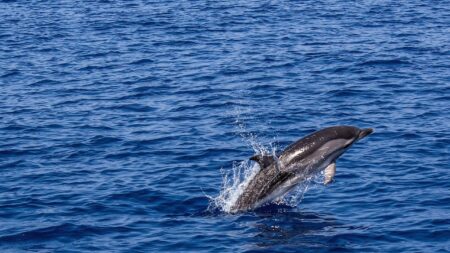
{"x": 298, "y": 162}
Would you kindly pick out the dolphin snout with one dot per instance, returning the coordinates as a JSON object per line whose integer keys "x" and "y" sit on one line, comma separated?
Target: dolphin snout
{"x": 364, "y": 132}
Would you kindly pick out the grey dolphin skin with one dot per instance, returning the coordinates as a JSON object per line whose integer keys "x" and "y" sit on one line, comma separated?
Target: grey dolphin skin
{"x": 298, "y": 162}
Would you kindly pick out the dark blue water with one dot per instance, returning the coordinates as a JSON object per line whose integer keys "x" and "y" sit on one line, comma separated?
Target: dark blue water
{"x": 117, "y": 118}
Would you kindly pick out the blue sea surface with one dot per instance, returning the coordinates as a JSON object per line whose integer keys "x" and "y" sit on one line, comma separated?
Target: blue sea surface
{"x": 119, "y": 119}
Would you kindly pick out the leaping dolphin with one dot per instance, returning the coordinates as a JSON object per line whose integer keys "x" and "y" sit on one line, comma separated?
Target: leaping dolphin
{"x": 298, "y": 162}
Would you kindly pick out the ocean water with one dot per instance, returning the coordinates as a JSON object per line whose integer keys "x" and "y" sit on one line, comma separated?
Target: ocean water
{"x": 120, "y": 121}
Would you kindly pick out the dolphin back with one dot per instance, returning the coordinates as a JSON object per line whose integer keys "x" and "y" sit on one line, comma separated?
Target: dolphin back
{"x": 309, "y": 144}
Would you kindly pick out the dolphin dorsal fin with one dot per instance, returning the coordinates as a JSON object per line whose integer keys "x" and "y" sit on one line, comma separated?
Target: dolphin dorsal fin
{"x": 263, "y": 160}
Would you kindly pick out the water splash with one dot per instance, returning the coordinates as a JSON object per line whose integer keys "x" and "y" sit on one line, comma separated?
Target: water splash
{"x": 233, "y": 184}
{"x": 235, "y": 181}
{"x": 296, "y": 195}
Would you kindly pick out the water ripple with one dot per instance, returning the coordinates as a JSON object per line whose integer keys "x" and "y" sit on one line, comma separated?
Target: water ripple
{"x": 117, "y": 119}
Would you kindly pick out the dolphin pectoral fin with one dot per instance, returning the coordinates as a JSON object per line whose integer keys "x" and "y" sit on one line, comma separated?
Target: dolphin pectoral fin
{"x": 329, "y": 173}
{"x": 263, "y": 160}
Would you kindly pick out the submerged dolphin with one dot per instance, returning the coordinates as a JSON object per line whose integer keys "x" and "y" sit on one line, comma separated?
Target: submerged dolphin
{"x": 298, "y": 162}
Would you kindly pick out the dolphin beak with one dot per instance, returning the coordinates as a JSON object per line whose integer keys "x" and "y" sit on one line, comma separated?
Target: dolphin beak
{"x": 364, "y": 132}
